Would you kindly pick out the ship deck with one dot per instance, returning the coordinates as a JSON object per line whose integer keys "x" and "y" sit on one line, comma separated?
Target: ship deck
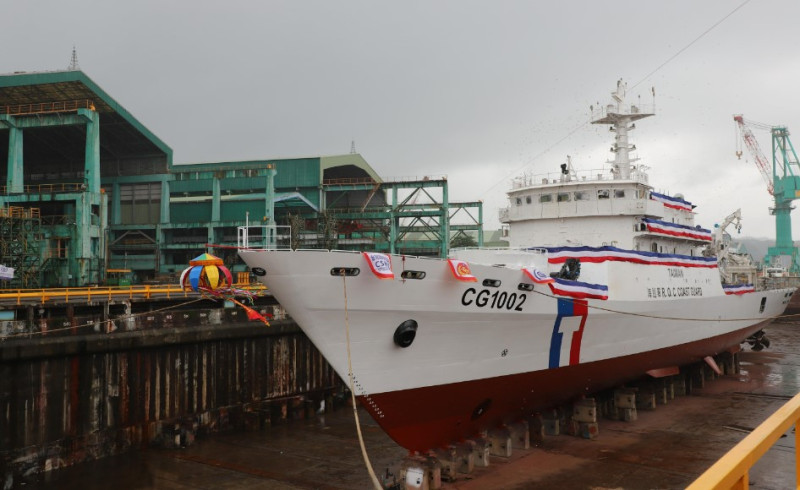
{"x": 665, "y": 448}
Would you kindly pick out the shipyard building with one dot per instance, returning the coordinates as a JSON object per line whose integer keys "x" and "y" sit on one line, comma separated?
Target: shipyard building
{"x": 91, "y": 196}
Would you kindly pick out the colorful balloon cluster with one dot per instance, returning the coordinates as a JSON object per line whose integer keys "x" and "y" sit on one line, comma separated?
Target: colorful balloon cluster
{"x": 203, "y": 274}
{"x": 208, "y": 276}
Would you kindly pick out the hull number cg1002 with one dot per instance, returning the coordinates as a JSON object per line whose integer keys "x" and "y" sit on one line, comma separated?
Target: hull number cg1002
{"x": 493, "y": 299}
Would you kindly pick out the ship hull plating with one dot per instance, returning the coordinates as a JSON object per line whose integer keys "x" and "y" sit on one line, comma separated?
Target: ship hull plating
{"x": 490, "y": 351}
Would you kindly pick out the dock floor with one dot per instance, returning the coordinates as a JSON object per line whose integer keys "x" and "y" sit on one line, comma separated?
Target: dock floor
{"x": 664, "y": 449}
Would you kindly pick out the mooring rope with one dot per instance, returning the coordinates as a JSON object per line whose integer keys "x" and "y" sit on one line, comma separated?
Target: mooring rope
{"x": 371, "y": 471}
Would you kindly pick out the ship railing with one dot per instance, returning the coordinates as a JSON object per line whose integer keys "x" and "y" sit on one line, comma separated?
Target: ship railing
{"x": 605, "y": 174}
{"x": 623, "y": 109}
{"x": 731, "y": 471}
{"x": 264, "y": 237}
{"x": 532, "y": 250}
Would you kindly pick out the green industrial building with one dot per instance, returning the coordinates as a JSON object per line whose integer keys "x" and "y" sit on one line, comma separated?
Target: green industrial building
{"x": 91, "y": 194}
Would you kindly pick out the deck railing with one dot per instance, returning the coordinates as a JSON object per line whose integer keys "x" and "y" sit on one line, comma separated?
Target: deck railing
{"x": 732, "y": 470}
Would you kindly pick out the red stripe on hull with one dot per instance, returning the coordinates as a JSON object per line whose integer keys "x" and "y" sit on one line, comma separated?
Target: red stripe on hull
{"x": 426, "y": 418}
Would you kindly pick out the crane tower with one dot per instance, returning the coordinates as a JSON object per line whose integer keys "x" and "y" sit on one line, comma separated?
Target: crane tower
{"x": 783, "y": 184}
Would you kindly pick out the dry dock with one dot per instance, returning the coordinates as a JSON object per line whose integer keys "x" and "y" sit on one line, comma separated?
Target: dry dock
{"x": 665, "y": 448}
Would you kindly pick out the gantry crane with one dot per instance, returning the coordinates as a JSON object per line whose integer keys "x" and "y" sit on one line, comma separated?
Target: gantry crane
{"x": 783, "y": 184}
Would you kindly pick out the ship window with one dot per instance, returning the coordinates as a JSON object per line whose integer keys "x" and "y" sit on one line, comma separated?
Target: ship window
{"x": 641, "y": 194}
{"x": 619, "y": 193}
{"x": 563, "y": 196}
{"x": 603, "y": 194}
{"x": 527, "y": 199}
{"x": 654, "y": 247}
{"x": 519, "y": 201}
{"x": 581, "y": 196}
{"x": 546, "y": 198}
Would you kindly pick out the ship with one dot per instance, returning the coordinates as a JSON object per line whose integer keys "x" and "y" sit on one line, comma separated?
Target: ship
{"x": 604, "y": 282}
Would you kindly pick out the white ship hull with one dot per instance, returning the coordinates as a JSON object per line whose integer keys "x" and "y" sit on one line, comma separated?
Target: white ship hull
{"x": 485, "y": 355}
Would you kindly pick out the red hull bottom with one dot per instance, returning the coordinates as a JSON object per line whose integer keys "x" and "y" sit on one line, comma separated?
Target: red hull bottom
{"x": 436, "y": 416}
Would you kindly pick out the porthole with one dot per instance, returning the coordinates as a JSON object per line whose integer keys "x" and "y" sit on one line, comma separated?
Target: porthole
{"x": 345, "y": 271}
{"x": 413, "y": 275}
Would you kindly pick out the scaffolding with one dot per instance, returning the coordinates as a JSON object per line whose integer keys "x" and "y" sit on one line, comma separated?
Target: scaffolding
{"x": 413, "y": 216}
{"x": 20, "y": 235}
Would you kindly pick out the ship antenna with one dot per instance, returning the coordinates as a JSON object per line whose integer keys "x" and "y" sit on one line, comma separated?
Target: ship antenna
{"x": 620, "y": 116}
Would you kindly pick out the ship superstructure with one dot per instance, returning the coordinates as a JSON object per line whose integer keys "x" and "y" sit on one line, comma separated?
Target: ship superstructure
{"x": 614, "y": 206}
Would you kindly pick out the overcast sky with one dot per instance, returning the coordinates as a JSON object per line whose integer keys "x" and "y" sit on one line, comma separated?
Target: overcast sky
{"x": 477, "y": 91}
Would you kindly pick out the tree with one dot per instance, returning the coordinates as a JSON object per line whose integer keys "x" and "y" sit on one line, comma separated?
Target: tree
{"x": 462, "y": 240}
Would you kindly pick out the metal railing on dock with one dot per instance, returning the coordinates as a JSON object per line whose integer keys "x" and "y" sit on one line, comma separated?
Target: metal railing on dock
{"x": 47, "y": 107}
{"x": 732, "y": 470}
{"x": 67, "y": 295}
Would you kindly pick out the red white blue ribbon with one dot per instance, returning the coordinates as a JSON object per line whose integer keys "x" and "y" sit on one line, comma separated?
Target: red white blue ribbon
{"x": 380, "y": 264}
{"x": 537, "y": 276}
{"x": 559, "y": 255}
{"x": 672, "y": 229}
{"x": 738, "y": 288}
{"x": 671, "y": 202}
{"x": 577, "y": 289}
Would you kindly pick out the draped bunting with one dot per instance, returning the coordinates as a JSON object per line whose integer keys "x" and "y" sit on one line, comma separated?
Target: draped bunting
{"x": 672, "y": 202}
{"x": 672, "y": 229}
{"x": 537, "y": 276}
{"x": 738, "y": 288}
{"x": 578, "y": 289}
{"x": 380, "y": 264}
{"x": 461, "y": 270}
{"x": 559, "y": 255}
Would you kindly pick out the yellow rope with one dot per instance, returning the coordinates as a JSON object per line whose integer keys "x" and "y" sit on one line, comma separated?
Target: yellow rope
{"x": 371, "y": 471}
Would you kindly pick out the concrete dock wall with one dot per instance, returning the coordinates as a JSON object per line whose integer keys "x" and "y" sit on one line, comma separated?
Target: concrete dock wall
{"x": 66, "y": 399}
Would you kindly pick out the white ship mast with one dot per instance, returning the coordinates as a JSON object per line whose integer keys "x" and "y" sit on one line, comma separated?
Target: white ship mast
{"x": 620, "y": 116}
